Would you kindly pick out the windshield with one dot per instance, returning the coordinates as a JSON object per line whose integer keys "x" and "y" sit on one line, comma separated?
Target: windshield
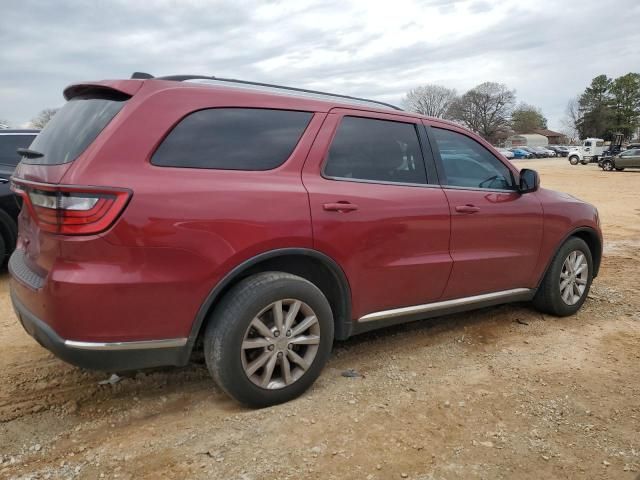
{"x": 74, "y": 128}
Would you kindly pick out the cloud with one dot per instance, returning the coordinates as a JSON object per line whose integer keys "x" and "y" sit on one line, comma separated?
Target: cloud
{"x": 548, "y": 53}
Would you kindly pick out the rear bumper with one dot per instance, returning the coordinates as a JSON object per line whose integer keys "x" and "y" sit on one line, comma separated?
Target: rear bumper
{"x": 112, "y": 356}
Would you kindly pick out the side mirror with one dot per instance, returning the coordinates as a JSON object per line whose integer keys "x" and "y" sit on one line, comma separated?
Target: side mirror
{"x": 529, "y": 181}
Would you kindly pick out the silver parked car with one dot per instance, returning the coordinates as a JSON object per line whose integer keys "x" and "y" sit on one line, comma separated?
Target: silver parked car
{"x": 506, "y": 153}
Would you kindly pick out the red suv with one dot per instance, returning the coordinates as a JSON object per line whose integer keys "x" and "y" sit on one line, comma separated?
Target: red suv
{"x": 263, "y": 222}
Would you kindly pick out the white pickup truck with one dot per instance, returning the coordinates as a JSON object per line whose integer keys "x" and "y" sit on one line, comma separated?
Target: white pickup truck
{"x": 589, "y": 151}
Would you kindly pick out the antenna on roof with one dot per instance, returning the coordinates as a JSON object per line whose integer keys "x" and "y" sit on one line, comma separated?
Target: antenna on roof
{"x": 141, "y": 75}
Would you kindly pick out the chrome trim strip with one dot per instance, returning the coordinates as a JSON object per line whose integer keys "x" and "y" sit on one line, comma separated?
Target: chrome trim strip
{"x": 139, "y": 345}
{"x": 381, "y": 182}
{"x": 430, "y": 307}
{"x": 478, "y": 189}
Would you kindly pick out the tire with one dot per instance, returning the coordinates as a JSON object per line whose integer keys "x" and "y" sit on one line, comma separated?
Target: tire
{"x": 8, "y": 233}
{"x": 607, "y": 165}
{"x": 3, "y": 250}
{"x": 549, "y": 297}
{"x": 233, "y": 324}
{"x": 573, "y": 160}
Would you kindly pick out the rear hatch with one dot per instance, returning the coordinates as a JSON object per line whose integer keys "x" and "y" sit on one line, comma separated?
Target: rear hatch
{"x": 69, "y": 133}
{"x": 54, "y": 212}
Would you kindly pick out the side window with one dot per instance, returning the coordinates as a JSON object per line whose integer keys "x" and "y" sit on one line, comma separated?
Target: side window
{"x": 378, "y": 150}
{"x": 233, "y": 139}
{"x": 466, "y": 163}
{"x": 587, "y": 144}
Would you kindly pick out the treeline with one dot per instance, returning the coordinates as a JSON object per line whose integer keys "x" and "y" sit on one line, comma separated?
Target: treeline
{"x": 606, "y": 107}
{"x": 488, "y": 109}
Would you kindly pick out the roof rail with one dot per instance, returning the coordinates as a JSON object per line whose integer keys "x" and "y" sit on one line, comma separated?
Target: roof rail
{"x": 182, "y": 78}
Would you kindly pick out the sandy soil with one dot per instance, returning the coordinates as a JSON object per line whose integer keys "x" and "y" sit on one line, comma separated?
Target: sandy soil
{"x": 499, "y": 393}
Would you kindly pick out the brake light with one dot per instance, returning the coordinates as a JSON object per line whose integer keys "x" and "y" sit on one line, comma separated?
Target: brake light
{"x": 71, "y": 210}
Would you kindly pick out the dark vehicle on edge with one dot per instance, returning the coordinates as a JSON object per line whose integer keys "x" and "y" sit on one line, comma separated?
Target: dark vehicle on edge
{"x": 10, "y": 141}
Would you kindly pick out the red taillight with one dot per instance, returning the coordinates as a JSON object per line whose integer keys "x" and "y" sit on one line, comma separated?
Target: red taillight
{"x": 72, "y": 210}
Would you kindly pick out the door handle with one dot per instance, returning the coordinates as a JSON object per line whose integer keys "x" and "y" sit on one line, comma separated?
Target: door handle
{"x": 342, "y": 207}
{"x": 467, "y": 208}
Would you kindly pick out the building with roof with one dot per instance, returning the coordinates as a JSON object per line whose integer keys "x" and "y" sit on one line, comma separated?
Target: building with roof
{"x": 526, "y": 140}
{"x": 554, "y": 138}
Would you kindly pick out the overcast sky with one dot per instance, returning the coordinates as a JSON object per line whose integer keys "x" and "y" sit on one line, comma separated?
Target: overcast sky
{"x": 545, "y": 51}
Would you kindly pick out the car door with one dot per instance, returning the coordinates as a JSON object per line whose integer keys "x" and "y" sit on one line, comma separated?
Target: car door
{"x": 376, "y": 212}
{"x": 496, "y": 232}
{"x": 628, "y": 158}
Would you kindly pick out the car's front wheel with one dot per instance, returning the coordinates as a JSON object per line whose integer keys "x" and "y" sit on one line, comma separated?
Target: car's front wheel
{"x": 607, "y": 165}
{"x": 573, "y": 160}
{"x": 566, "y": 284}
{"x": 269, "y": 338}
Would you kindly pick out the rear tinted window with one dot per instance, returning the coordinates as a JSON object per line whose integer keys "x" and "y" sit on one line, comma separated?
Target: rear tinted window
{"x": 376, "y": 150}
{"x": 8, "y": 146}
{"x": 74, "y": 128}
{"x": 233, "y": 139}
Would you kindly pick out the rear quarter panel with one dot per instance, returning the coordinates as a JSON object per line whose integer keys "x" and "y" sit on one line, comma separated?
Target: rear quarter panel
{"x": 183, "y": 228}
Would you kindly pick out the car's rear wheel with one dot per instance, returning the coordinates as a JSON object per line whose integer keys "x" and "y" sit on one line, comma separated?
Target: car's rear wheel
{"x": 607, "y": 165}
{"x": 566, "y": 284}
{"x": 573, "y": 160}
{"x": 269, "y": 338}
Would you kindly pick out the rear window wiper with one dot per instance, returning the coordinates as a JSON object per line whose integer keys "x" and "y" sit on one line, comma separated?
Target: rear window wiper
{"x": 25, "y": 152}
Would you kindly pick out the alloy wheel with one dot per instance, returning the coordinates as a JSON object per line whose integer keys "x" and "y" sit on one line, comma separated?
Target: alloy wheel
{"x": 280, "y": 344}
{"x": 573, "y": 277}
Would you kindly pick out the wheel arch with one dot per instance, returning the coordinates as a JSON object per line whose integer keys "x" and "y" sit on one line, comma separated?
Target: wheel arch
{"x": 593, "y": 241}
{"x": 318, "y": 268}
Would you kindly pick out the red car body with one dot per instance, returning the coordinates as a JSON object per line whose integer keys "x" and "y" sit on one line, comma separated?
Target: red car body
{"x": 182, "y": 236}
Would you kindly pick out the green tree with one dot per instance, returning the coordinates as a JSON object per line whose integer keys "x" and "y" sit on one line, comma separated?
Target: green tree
{"x": 527, "y": 118}
{"x": 595, "y": 112}
{"x": 625, "y": 104}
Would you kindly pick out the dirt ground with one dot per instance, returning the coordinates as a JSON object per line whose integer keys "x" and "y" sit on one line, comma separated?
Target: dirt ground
{"x": 504, "y": 392}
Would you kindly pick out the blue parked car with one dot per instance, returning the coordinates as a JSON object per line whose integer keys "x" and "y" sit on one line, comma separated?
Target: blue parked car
{"x": 519, "y": 153}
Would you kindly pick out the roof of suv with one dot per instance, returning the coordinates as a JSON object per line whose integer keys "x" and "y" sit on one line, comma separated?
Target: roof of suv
{"x": 272, "y": 88}
{"x": 312, "y": 98}
{"x": 131, "y": 86}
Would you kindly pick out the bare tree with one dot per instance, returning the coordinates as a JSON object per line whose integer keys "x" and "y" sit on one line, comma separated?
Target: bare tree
{"x": 41, "y": 120}
{"x": 485, "y": 109}
{"x": 431, "y": 100}
{"x": 572, "y": 119}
